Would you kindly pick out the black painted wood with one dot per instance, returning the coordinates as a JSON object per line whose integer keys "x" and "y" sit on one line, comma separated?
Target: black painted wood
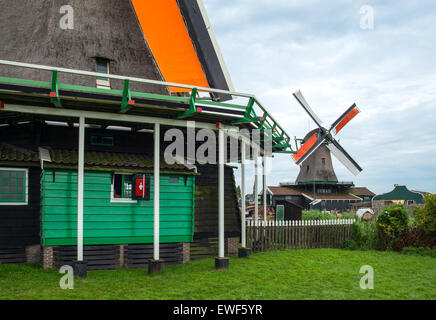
{"x": 206, "y": 203}
{"x": 137, "y": 255}
{"x": 103, "y": 257}
{"x": 20, "y": 225}
{"x": 204, "y": 46}
{"x": 12, "y": 255}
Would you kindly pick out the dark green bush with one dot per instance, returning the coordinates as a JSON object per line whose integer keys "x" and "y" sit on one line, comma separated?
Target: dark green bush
{"x": 425, "y": 216}
{"x": 363, "y": 236}
{"x": 318, "y": 215}
{"x": 419, "y": 251}
{"x": 391, "y": 226}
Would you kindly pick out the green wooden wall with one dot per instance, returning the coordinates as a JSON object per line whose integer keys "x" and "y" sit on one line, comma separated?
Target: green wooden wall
{"x": 113, "y": 223}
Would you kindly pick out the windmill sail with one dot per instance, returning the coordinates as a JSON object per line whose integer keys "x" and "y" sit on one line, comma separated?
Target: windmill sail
{"x": 307, "y": 149}
{"x": 344, "y": 119}
{"x": 344, "y": 157}
{"x": 300, "y": 98}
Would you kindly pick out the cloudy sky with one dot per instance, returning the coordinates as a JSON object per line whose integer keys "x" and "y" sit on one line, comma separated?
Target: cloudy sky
{"x": 274, "y": 47}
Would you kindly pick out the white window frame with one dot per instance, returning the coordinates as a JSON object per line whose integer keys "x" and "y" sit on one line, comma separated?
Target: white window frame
{"x": 26, "y": 202}
{"x": 120, "y": 200}
{"x": 104, "y": 84}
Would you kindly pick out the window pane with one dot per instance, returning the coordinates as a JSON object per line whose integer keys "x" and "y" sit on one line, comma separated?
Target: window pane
{"x": 12, "y": 186}
{"x": 102, "y": 65}
{"x": 118, "y": 186}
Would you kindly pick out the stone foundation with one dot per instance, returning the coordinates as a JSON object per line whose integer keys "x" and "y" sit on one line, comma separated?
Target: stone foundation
{"x": 122, "y": 256}
{"x": 47, "y": 257}
{"x": 232, "y": 246}
{"x": 186, "y": 252}
{"x": 33, "y": 253}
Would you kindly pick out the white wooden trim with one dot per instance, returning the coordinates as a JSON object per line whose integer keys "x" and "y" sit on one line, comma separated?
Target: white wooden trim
{"x": 156, "y": 181}
{"x": 243, "y": 209}
{"x": 119, "y": 200}
{"x": 80, "y": 184}
{"x": 221, "y": 194}
{"x": 113, "y": 117}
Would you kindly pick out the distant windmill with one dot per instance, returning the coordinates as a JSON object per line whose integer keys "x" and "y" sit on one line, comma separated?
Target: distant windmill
{"x": 322, "y": 136}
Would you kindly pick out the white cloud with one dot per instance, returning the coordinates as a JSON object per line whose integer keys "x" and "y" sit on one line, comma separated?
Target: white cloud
{"x": 275, "y": 47}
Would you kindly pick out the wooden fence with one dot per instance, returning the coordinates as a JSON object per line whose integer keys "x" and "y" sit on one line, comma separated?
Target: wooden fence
{"x": 271, "y": 235}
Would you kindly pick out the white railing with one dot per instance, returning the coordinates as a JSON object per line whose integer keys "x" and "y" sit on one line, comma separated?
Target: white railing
{"x": 300, "y": 223}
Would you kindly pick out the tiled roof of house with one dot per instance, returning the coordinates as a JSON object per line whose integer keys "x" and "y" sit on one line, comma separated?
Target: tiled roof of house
{"x": 12, "y": 153}
{"x": 284, "y": 191}
{"x": 69, "y": 158}
{"x": 362, "y": 191}
{"x": 332, "y": 196}
{"x": 400, "y": 193}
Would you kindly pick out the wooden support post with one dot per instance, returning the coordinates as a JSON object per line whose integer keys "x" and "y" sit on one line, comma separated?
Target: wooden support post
{"x": 156, "y": 264}
{"x": 221, "y": 262}
{"x": 264, "y": 187}
{"x": 256, "y": 184}
{"x": 244, "y": 251}
{"x": 243, "y": 229}
{"x": 156, "y": 190}
{"x": 80, "y": 264}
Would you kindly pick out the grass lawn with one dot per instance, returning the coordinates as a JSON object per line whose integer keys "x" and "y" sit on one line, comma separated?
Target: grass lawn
{"x": 275, "y": 275}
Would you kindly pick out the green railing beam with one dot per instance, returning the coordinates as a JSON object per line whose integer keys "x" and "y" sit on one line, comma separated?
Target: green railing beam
{"x": 193, "y": 109}
{"x": 54, "y": 93}
{"x": 126, "y": 103}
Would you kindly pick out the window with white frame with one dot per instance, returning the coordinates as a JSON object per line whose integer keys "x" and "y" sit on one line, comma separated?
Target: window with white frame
{"x": 122, "y": 188}
{"x": 13, "y": 186}
{"x": 103, "y": 66}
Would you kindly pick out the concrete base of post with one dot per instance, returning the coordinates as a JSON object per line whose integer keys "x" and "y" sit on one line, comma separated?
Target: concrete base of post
{"x": 222, "y": 263}
{"x": 244, "y": 252}
{"x": 80, "y": 269}
{"x": 155, "y": 266}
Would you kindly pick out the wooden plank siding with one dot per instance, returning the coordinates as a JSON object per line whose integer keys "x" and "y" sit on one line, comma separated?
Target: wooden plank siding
{"x": 113, "y": 223}
{"x": 206, "y": 203}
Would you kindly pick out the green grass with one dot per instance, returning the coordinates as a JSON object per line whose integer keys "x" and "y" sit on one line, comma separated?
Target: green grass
{"x": 286, "y": 274}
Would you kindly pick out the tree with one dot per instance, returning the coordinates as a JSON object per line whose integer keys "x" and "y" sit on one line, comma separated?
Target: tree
{"x": 426, "y": 216}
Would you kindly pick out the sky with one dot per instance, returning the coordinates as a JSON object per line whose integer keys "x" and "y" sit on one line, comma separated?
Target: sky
{"x": 274, "y": 47}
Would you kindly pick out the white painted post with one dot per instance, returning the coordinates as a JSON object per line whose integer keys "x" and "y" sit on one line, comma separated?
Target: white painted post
{"x": 80, "y": 181}
{"x": 264, "y": 186}
{"x": 156, "y": 229}
{"x": 256, "y": 182}
{"x": 243, "y": 227}
{"x": 221, "y": 194}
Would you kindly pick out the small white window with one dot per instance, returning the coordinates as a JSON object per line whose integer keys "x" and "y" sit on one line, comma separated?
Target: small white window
{"x": 122, "y": 188}
{"x": 14, "y": 187}
{"x": 103, "y": 66}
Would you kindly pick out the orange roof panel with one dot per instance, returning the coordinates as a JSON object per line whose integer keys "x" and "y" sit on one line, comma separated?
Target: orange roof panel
{"x": 168, "y": 38}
